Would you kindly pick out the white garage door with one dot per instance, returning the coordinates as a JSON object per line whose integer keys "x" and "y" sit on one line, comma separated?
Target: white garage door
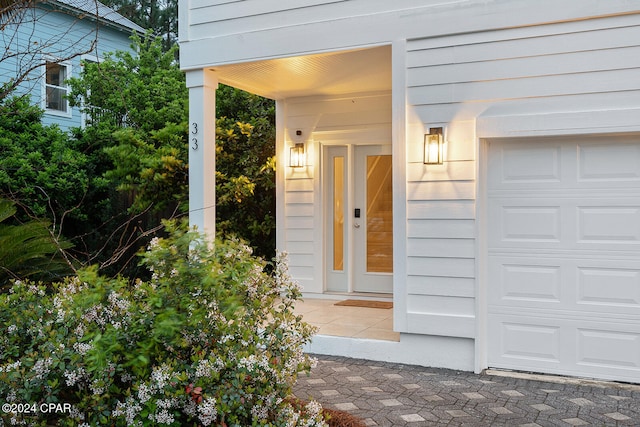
{"x": 564, "y": 256}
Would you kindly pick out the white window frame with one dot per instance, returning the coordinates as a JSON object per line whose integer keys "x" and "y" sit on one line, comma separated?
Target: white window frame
{"x": 83, "y": 113}
{"x": 64, "y": 87}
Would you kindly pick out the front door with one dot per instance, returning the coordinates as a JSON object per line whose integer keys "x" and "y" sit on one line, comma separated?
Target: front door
{"x": 359, "y": 218}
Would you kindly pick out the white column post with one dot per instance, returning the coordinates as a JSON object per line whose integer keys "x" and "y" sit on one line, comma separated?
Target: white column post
{"x": 202, "y": 86}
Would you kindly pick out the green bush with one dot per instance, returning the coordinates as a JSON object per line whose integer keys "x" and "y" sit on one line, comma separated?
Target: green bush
{"x": 211, "y": 339}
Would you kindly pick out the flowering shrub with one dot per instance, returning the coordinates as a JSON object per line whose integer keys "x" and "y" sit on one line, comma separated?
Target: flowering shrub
{"x": 210, "y": 340}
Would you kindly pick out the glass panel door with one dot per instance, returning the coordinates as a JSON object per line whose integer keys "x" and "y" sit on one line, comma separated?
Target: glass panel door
{"x": 373, "y": 219}
{"x": 338, "y": 213}
{"x": 336, "y": 200}
{"x": 379, "y": 214}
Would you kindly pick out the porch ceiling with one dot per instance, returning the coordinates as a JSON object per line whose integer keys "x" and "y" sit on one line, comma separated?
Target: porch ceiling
{"x": 353, "y": 71}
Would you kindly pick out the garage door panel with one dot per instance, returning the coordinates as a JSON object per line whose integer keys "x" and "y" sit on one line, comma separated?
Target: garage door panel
{"x": 611, "y": 224}
{"x": 565, "y": 346}
{"x": 608, "y": 162}
{"x": 521, "y": 340}
{"x": 591, "y": 163}
{"x": 531, "y": 223}
{"x": 523, "y": 283}
{"x": 523, "y": 165}
{"x": 608, "y": 349}
{"x": 611, "y": 288}
{"x": 576, "y": 287}
{"x": 525, "y": 223}
{"x": 571, "y": 221}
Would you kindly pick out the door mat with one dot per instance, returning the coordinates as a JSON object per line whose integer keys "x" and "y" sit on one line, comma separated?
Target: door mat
{"x": 363, "y": 303}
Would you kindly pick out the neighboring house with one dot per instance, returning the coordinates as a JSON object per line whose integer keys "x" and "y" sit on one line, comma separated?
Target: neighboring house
{"x": 49, "y": 40}
{"x": 520, "y": 248}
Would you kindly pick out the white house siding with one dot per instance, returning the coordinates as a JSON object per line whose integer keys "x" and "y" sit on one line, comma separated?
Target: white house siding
{"x": 339, "y": 120}
{"x": 215, "y": 18}
{"x": 576, "y": 66}
{"x": 452, "y": 81}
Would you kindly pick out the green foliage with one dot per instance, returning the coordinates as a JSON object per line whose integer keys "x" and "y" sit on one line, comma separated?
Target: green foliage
{"x": 28, "y": 250}
{"x": 137, "y": 113}
{"x": 143, "y": 89}
{"x": 245, "y": 181}
{"x": 211, "y": 339}
{"x": 155, "y": 167}
{"x": 142, "y": 125}
{"x": 39, "y": 165}
{"x": 57, "y": 177}
{"x": 141, "y": 122}
{"x": 161, "y": 17}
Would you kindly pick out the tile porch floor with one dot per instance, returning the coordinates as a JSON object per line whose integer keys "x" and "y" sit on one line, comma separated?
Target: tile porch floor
{"x": 354, "y": 322}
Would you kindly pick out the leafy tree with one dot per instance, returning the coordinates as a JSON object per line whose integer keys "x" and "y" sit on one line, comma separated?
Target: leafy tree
{"x": 40, "y": 166}
{"x": 28, "y": 249}
{"x": 159, "y": 16}
{"x": 142, "y": 89}
{"x": 142, "y": 125}
{"x": 51, "y": 175}
{"x": 245, "y": 181}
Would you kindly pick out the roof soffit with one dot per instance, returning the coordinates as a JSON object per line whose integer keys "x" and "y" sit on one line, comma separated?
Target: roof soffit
{"x": 332, "y": 73}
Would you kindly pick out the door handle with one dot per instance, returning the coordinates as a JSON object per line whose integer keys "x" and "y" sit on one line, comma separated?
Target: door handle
{"x": 356, "y": 225}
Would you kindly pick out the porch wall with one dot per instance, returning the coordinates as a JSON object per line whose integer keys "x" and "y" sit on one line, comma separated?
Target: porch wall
{"x": 338, "y": 120}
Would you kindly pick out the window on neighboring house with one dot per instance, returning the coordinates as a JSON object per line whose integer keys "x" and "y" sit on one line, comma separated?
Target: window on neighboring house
{"x": 56, "y": 87}
{"x": 88, "y": 111}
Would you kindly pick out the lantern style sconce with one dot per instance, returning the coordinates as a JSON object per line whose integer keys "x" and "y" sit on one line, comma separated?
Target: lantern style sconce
{"x": 433, "y": 143}
{"x": 296, "y": 156}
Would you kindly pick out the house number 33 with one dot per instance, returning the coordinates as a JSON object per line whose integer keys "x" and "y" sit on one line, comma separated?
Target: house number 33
{"x": 194, "y": 137}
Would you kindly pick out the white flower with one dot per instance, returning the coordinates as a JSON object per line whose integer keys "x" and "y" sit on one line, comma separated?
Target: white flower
{"x": 130, "y": 410}
{"x": 73, "y": 376}
{"x": 79, "y": 330}
{"x": 159, "y": 376}
{"x": 313, "y": 408}
{"x": 41, "y": 367}
{"x": 117, "y": 302}
{"x": 34, "y": 289}
{"x": 207, "y": 411}
{"x": 154, "y": 243}
{"x": 260, "y": 412}
{"x": 96, "y": 387}
{"x": 189, "y": 408}
{"x": 82, "y": 347}
{"x": 144, "y": 393}
{"x": 205, "y": 368}
{"x": 162, "y": 417}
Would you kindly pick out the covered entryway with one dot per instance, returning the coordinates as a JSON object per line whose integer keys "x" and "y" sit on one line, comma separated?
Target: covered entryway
{"x": 564, "y": 255}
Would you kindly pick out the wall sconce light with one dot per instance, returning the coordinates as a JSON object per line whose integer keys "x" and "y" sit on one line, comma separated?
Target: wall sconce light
{"x": 296, "y": 156}
{"x": 433, "y": 142}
